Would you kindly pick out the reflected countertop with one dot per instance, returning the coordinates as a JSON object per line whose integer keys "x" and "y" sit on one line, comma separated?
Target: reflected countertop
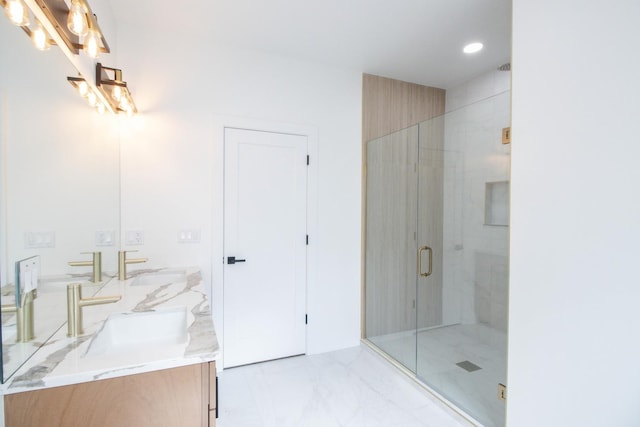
{"x": 62, "y": 360}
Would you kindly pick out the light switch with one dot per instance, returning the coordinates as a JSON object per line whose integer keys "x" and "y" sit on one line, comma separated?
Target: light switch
{"x": 39, "y": 239}
{"x": 189, "y": 236}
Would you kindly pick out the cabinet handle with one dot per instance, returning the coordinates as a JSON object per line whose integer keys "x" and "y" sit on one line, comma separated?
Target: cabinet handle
{"x": 428, "y": 273}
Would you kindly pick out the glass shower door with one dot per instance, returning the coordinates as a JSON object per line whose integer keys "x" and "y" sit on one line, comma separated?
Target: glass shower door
{"x": 462, "y": 203}
{"x": 391, "y": 236}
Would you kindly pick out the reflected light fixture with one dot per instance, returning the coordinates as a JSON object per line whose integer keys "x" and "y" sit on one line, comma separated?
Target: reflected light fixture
{"x": 40, "y": 38}
{"x": 80, "y": 31}
{"x": 77, "y": 21}
{"x": 116, "y": 93}
{"x": 92, "y": 99}
{"x": 473, "y": 47}
{"x": 82, "y": 22}
{"x": 86, "y": 92}
{"x": 92, "y": 43}
{"x": 109, "y": 82}
{"x": 17, "y": 12}
{"x": 83, "y": 88}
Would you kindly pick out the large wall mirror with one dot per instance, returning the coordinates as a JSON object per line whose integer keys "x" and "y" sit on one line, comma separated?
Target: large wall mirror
{"x": 60, "y": 187}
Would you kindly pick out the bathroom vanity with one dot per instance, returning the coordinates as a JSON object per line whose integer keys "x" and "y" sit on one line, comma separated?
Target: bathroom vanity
{"x": 145, "y": 360}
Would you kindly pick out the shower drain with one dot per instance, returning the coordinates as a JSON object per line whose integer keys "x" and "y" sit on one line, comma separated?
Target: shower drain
{"x": 468, "y": 366}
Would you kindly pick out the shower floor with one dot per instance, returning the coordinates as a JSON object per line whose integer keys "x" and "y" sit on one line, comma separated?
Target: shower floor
{"x": 447, "y": 360}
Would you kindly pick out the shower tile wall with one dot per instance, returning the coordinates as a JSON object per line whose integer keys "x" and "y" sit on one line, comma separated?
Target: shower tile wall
{"x": 491, "y": 279}
{"x": 475, "y": 254}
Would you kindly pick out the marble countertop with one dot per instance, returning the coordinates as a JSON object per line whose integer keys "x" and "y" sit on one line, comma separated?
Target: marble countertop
{"x": 64, "y": 360}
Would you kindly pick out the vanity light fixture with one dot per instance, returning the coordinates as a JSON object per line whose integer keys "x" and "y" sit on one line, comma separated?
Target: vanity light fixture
{"x": 82, "y": 22}
{"x": 77, "y": 21}
{"x": 86, "y": 92}
{"x": 70, "y": 24}
{"x": 17, "y": 12}
{"x": 40, "y": 38}
{"x": 80, "y": 84}
{"x": 109, "y": 82}
{"x": 112, "y": 90}
{"x": 92, "y": 43}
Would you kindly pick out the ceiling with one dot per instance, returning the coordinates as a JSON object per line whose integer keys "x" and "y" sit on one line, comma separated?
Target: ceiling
{"x": 413, "y": 40}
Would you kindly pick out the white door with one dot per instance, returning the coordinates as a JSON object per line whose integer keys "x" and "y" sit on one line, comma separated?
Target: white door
{"x": 265, "y": 216}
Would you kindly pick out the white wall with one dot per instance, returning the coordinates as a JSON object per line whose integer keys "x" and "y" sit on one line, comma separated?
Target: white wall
{"x": 168, "y": 161}
{"x": 575, "y": 215}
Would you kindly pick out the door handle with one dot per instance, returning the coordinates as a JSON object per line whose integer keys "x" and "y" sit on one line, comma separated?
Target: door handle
{"x": 233, "y": 260}
{"x": 428, "y": 273}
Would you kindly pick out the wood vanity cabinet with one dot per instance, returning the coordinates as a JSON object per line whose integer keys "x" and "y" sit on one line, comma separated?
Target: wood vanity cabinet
{"x": 180, "y": 397}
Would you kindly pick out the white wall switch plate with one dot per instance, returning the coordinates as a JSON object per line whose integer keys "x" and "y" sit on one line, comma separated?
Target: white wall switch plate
{"x": 39, "y": 239}
{"x": 135, "y": 237}
{"x": 105, "y": 237}
{"x": 189, "y": 236}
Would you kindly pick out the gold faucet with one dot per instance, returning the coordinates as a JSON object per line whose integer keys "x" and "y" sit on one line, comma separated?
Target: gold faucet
{"x": 24, "y": 315}
{"x": 96, "y": 263}
{"x": 123, "y": 261}
{"x": 75, "y": 302}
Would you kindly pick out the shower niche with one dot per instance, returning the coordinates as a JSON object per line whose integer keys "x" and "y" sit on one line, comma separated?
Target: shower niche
{"x": 496, "y": 203}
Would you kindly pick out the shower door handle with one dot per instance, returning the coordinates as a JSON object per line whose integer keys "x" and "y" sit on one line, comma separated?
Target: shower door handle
{"x": 422, "y": 249}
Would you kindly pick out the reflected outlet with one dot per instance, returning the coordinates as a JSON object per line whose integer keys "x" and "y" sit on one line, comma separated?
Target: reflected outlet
{"x": 39, "y": 239}
{"x": 105, "y": 237}
{"x": 135, "y": 237}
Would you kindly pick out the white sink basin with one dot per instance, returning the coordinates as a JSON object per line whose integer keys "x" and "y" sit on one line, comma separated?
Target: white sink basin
{"x": 159, "y": 278}
{"x": 144, "y": 331}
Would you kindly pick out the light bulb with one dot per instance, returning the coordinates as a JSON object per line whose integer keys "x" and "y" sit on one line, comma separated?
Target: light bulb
{"x": 77, "y": 19}
{"x": 124, "y": 103}
{"x": 17, "y": 12}
{"x": 473, "y": 47}
{"x": 40, "y": 38}
{"x": 91, "y": 98}
{"x": 100, "y": 107}
{"x": 116, "y": 93}
{"x": 83, "y": 88}
{"x": 129, "y": 111}
{"x": 92, "y": 43}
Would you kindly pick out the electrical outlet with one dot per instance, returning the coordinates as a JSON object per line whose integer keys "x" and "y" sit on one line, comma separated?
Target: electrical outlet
{"x": 135, "y": 237}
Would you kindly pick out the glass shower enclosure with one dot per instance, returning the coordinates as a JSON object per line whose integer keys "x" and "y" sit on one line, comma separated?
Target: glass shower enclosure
{"x": 436, "y": 258}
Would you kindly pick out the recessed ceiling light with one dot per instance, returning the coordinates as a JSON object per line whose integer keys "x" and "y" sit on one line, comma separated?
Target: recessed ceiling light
{"x": 473, "y": 48}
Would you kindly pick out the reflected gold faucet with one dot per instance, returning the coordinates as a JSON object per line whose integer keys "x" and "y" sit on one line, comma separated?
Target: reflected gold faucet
{"x": 75, "y": 302}
{"x": 24, "y": 317}
{"x": 123, "y": 261}
{"x": 96, "y": 263}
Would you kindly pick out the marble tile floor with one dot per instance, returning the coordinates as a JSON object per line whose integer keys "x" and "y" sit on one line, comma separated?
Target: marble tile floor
{"x": 352, "y": 388}
{"x": 438, "y": 352}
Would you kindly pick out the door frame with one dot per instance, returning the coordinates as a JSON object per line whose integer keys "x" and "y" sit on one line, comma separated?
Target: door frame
{"x": 220, "y": 123}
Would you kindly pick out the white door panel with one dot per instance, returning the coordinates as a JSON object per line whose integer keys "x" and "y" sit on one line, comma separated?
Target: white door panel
{"x": 265, "y": 225}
